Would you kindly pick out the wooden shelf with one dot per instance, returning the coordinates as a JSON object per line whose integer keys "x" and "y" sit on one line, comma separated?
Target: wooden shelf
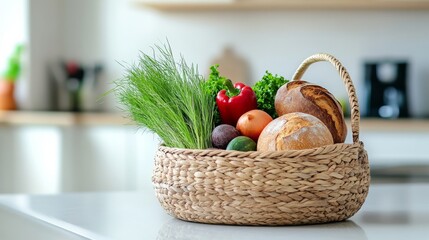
{"x": 209, "y": 5}
{"x": 61, "y": 118}
{"x": 103, "y": 119}
{"x": 396, "y": 125}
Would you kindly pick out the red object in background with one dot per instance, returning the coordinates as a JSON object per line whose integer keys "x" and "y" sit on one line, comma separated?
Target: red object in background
{"x": 72, "y": 68}
{"x": 234, "y": 102}
{"x": 7, "y": 98}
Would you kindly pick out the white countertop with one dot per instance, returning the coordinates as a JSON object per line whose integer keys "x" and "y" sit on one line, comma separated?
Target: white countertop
{"x": 399, "y": 211}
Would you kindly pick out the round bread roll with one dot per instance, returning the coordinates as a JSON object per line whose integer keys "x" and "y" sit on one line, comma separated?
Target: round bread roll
{"x": 294, "y": 131}
{"x": 302, "y": 96}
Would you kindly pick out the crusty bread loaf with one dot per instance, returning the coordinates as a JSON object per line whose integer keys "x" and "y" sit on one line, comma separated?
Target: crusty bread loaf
{"x": 302, "y": 96}
{"x": 294, "y": 131}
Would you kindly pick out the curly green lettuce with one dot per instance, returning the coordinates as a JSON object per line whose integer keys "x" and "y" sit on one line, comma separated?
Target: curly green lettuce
{"x": 266, "y": 89}
{"x": 212, "y": 86}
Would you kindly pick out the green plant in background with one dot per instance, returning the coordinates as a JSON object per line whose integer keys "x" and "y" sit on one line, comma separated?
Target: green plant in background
{"x": 212, "y": 86}
{"x": 266, "y": 89}
{"x": 13, "y": 68}
{"x": 169, "y": 99}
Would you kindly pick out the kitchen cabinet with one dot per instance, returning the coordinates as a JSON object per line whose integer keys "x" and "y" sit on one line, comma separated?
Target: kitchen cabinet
{"x": 51, "y": 152}
{"x": 195, "y": 5}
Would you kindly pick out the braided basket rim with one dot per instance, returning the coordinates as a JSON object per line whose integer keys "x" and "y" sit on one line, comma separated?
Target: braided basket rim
{"x": 263, "y": 154}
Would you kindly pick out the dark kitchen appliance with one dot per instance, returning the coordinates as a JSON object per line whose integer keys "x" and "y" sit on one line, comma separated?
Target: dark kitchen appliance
{"x": 386, "y": 89}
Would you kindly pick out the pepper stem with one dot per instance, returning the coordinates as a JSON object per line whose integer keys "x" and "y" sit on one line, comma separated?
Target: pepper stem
{"x": 231, "y": 91}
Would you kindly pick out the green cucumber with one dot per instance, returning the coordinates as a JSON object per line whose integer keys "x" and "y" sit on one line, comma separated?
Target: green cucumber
{"x": 242, "y": 143}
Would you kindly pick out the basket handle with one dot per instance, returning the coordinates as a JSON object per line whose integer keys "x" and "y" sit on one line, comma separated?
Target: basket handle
{"x": 354, "y": 104}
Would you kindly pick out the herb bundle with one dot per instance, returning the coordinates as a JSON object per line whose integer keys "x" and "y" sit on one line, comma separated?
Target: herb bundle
{"x": 168, "y": 98}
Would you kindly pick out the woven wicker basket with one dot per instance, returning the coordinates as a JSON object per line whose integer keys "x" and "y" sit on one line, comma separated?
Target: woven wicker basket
{"x": 316, "y": 185}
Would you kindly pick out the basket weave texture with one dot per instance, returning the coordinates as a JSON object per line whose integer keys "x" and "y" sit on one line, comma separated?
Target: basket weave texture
{"x": 317, "y": 185}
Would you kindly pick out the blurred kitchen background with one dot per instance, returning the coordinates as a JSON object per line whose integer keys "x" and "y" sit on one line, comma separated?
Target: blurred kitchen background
{"x": 62, "y": 137}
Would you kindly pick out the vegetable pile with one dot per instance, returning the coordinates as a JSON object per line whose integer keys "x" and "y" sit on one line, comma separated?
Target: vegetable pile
{"x": 171, "y": 99}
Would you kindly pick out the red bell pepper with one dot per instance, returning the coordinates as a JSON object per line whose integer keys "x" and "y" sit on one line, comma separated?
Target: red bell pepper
{"x": 235, "y": 101}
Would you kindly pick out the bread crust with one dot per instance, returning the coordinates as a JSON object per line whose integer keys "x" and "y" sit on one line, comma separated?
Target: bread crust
{"x": 302, "y": 96}
{"x": 294, "y": 131}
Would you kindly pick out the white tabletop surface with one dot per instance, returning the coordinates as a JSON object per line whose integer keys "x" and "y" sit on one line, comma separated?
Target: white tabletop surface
{"x": 392, "y": 211}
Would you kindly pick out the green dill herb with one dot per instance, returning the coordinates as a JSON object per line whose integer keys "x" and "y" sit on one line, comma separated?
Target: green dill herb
{"x": 169, "y": 99}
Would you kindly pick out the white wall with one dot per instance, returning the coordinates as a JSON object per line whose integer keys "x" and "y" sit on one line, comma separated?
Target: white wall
{"x": 13, "y": 28}
{"x": 45, "y": 46}
{"x": 112, "y": 31}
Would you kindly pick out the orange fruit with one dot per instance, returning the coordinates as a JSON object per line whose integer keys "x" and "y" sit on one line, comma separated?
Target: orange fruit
{"x": 252, "y": 123}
